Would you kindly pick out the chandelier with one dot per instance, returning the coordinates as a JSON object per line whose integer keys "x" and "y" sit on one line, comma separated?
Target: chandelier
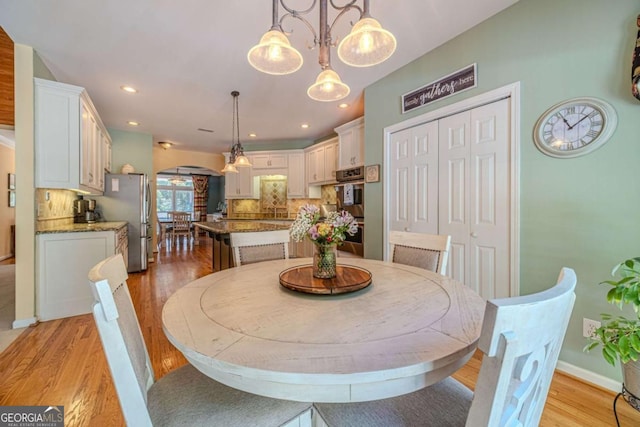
{"x": 367, "y": 44}
{"x": 237, "y": 157}
{"x": 177, "y": 179}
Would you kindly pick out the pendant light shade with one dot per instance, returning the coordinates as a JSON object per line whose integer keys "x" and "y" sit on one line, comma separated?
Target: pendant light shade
{"x": 242, "y": 161}
{"x": 229, "y": 168}
{"x": 328, "y": 87}
{"x": 367, "y": 44}
{"x": 275, "y": 55}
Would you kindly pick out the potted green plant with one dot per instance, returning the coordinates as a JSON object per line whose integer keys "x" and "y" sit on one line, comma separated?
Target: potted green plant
{"x": 619, "y": 336}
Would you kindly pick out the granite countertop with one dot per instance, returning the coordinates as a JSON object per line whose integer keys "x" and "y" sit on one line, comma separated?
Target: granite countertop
{"x": 239, "y": 226}
{"x": 44, "y": 228}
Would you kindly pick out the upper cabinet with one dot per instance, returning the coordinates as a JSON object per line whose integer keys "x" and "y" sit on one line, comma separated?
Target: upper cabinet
{"x": 269, "y": 161}
{"x": 72, "y": 146}
{"x": 351, "y": 136}
{"x": 321, "y": 162}
{"x": 243, "y": 184}
{"x": 296, "y": 182}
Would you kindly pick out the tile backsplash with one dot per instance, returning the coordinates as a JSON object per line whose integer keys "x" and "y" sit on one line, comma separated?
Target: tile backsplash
{"x": 59, "y": 204}
{"x": 273, "y": 201}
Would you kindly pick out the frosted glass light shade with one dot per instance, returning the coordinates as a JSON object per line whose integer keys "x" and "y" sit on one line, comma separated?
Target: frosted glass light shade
{"x": 242, "y": 161}
{"x": 328, "y": 87}
{"x": 229, "y": 168}
{"x": 275, "y": 55}
{"x": 367, "y": 44}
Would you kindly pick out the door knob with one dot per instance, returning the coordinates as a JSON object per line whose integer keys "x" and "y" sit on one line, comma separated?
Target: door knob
{"x": 474, "y": 234}
{"x": 406, "y": 229}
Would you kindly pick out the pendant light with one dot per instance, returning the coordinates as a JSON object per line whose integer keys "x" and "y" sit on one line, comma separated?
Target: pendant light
{"x": 237, "y": 159}
{"x": 177, "y": 179}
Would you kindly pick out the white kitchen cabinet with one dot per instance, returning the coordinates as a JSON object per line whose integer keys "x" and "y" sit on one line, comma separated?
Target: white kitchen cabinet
{"x": 269, "y": 161}
{"x": 322, "y": 162}
{"x": 315, "y": 161}
{"x": 331, "y": 160}
{"x": 63, "y": 261}
{"x": 351, "y": 137}
{"x": 241, "y": 185}
{"x": 69, "y": 138}
{"x": 296, "y": 180}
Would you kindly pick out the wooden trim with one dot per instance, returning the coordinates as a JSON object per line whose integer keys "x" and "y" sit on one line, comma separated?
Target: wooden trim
{"x": 7, "y": 80}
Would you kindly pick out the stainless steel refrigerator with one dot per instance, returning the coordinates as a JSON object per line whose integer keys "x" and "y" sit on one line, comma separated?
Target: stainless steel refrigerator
{"x": 127, "y": 198}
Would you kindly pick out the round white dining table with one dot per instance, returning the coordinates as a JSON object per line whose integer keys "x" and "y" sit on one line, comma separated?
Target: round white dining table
{"x": 407, "y": 330}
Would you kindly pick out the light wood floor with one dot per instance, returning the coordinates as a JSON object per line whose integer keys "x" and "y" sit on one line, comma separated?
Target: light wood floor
{"x": 61, "y": 362}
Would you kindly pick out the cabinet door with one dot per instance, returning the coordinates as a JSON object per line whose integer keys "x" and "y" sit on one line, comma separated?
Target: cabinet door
{"x": 352, "y": 146}
{"x": 295, "y": 177}
{"x": 87, "y": 135}
{"x": 316, "y": 165}
{"x": 63, "y": 260}
{"x": 244, "y": 183}
{"x": 330, "y": 161}
{"x": 260, "y": 161}
{"x": 278, "y": 161}
{"x": 106, "y": 153}
{"x": 57, "y": 136}
{"x": 230, "y": 186}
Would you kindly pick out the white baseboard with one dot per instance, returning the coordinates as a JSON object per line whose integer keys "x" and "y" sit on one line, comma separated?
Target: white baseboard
{"x": 23, "y": 323}
{"x": 588, "y": 376}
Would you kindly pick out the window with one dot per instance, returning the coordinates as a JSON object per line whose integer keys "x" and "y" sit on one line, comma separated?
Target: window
{"x": 173, "y": 196}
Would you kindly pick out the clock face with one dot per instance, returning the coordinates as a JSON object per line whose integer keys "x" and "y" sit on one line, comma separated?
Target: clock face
{"x": 574, "y": 127}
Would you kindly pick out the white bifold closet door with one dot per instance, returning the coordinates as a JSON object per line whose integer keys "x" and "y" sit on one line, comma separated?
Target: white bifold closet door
{"x": 474, "y": 194}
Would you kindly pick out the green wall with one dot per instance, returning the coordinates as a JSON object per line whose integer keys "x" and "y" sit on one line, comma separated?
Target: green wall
{"x": 133, "y": 148}
{"x": 581, "y": 212}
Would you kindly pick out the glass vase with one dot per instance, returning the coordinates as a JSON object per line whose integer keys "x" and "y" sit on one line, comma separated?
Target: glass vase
{"x": 324, "y": 260}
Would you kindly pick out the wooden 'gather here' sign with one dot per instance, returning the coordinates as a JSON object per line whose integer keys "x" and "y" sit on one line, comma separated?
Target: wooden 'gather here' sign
{"x": 456, "y": 82}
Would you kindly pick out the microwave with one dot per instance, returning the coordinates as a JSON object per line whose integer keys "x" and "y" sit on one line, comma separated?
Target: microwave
{"x": 351, "y": 174}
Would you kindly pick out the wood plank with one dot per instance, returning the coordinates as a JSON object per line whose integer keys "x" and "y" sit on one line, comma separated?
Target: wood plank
{"x": 61, "y": 362}
{"x": 7, "y": 97}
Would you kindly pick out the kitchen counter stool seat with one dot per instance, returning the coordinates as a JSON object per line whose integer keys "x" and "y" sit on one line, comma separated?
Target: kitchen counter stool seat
{"x": 184, "y": 397}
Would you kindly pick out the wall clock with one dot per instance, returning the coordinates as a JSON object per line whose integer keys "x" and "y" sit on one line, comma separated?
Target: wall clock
{"x": 575, "y": 127}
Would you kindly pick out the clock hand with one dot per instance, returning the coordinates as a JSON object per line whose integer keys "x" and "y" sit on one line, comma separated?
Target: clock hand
{"x": 565, "y": 121}
{"x": 576, "y": 123}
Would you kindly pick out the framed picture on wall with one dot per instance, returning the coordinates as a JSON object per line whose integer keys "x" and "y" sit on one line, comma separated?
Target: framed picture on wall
{"x": 372, "y": 173}
{"x": 12, "y": 181}
{"x": 12, "y": 199}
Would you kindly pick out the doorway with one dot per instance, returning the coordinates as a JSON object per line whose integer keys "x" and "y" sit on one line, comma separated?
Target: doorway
{"x": 455, "y": 171}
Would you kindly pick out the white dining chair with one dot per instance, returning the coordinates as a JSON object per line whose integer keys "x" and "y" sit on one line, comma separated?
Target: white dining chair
{"x": 259, "y": 246}
{"x": 521, "y": 339}
{"x": 183, "y": 397}
{"x": 428, "y": 251}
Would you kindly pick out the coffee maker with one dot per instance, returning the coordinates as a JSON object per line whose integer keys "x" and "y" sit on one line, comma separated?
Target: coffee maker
{"x": 84, "y": 210}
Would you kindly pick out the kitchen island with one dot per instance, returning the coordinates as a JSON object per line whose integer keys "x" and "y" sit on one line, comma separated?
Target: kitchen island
{"x": 222, "y": 254}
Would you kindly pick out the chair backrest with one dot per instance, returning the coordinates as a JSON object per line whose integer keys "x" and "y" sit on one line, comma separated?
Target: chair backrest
{"x": 521, "y": 339}
{"x": 122, "y": 339}
{"x": 259, "y": 246}
{"x": 181, "y": 222}
{"x": 428, "y": 251}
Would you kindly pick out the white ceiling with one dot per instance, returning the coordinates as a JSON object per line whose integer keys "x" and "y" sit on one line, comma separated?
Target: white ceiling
{"x": 185, "y": 58}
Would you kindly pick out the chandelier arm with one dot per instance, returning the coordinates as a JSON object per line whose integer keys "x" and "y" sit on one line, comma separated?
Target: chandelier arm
{"x": 297, "y": 16}
{"x": 343, "y": 10}
{"x": 295, "y": 12}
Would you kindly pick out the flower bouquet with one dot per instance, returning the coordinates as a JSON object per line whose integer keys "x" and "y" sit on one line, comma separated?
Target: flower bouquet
{"x": 326, "y": 236}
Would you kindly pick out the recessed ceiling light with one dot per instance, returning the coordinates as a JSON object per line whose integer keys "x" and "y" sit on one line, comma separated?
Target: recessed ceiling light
{"x": 343, "y": 105}
{"x": 129, "y": 89}
{"x": 304, "y": 126}
{"x": 252, "y": 135}
{"x": 165, "y": 144}
{"x": 132, "y": 123}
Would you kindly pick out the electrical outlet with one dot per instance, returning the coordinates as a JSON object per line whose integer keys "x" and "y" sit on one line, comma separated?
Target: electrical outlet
{"x": 589, "y": 327}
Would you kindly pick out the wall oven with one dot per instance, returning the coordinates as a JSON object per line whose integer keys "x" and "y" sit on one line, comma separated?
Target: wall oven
{"x": 350, "y": 197}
